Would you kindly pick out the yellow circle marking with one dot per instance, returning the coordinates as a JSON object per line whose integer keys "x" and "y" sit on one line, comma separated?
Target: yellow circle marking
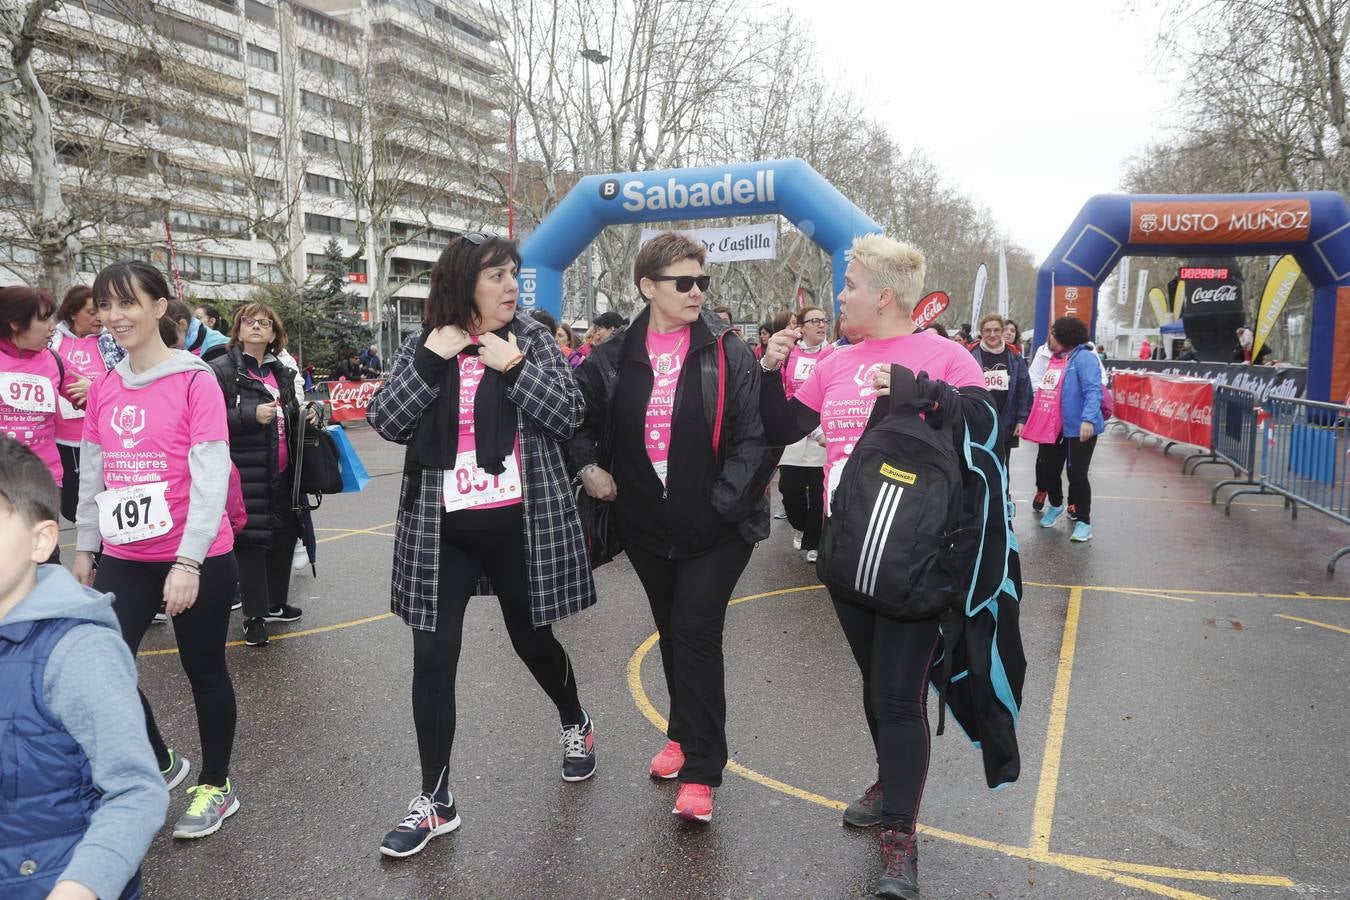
{"x": 1114, "y": 871}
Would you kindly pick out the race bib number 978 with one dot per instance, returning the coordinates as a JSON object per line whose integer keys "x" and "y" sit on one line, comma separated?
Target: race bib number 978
{"x": 30, "y": 393}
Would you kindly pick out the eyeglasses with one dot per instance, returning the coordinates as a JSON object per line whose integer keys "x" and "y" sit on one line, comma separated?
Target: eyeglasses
{"x": 249, "y": 322}
{"x": 479, "y": 238}
{"x": 685, "y": 283}
{"x": 814, "y": 321}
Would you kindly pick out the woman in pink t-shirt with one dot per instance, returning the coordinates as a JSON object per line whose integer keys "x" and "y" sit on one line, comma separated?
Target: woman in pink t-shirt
{"x": 76, "y": 341}
{"x": 673, "y": 437}
{"x": 883, "y": 282}
{"x": 154, "y": 477}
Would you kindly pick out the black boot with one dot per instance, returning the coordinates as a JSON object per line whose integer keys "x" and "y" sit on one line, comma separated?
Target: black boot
{"x": 900, "y": 855}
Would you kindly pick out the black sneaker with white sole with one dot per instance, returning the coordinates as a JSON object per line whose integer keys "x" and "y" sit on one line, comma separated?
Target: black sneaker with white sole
{"x": 255, "y": 632}
{"x": 287, "y": 613}
{"x": 425, "y": 820}
{"x": 578, "y": 750}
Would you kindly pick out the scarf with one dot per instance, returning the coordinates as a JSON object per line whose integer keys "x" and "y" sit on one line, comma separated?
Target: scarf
{"x": 435, "y": 441}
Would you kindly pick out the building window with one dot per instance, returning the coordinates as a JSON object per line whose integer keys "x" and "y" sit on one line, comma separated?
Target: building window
{"x": 192, "y": 220}
{"x": 265, "y": 146}
{"x": 195, "y": 35}
{"x": 262, "y": 58}
{"x": 262, "y": 101}
{"x": 214, "y": 269}
{"x": 259, "y": 12}
{"x": 268, "y": 273}
{"x": 323, "y": 184}
{"x": 329, "y": 224}
{"x": 315, "y": 261}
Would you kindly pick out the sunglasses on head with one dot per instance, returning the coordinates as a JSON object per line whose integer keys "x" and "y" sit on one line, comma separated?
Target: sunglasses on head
{"x": 479, "y": 238}
{"x": 685, "y": 283}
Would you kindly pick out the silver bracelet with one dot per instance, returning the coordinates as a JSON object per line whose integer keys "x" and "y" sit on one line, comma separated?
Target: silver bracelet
{"x": 764, "y": 367}
{"x": 586, "y": 468}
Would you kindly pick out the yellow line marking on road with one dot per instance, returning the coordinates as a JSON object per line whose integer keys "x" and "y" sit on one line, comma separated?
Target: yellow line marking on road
{"x": 1325, "y": 625}
{"x": 1194, "y": 593}
{"x": 1114, "y": 871}
{"x": 1044, "y": 814}
{"x": 289, "y": 634}
{"x": 1157, "y": 594}
{"x": 374, "y": 529}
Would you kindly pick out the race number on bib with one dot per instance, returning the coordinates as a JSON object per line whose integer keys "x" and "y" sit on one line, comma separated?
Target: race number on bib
{"x": 30, "y": 393}
{"x": 996, "y": 380}
{"x": 803, "y": 369}
{"x": 136, "y": 513}
{"x": 1051, "y": 379}
{"x": 467, "y": 486}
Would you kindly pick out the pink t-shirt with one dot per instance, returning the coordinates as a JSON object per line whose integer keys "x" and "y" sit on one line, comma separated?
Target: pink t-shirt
{"x": 799, "y": 365}
{"x": 666, "y": 352}
{"x": 82, "y": 360}
{"x": 29, "y": 386}
{"x": 841, "y": 390}
{"x": 283, "y": 454}
{"x": 146, "y": 434}
{"x": 467, "y": 486}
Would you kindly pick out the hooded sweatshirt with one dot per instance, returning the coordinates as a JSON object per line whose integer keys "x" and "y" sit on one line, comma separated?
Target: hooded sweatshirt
{"x": 89, "y": 686}
{"x": 82, "y": 359}
{"x": 161, "y": 438}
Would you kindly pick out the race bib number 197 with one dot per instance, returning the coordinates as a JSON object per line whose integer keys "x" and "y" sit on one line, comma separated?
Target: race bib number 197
{"x": 136, "y": 513}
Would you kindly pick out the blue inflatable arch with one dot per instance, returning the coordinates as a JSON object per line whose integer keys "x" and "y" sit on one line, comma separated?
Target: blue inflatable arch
{"x": 1314, "y": 227}
{"x": 787, "y": 187}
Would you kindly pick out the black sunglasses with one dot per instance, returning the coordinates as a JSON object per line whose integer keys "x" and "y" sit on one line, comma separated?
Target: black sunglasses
{"x": 685, "y": 283}
{"x": 479, "y": 238}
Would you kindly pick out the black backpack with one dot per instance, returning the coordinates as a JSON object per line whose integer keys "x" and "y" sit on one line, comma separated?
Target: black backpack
{"x": 895, "y": 510}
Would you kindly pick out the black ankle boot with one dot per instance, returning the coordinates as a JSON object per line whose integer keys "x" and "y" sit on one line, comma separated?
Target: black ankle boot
{"x": 900, "y": 855}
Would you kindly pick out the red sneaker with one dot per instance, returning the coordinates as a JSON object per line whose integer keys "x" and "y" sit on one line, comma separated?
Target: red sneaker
{"x": 668, "y": 763}
{"x": 1038, "y": 501}
{"x": 694, "y": 802}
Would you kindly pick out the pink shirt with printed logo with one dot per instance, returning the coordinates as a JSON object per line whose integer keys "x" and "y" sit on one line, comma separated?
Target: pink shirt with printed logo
{"x": 799, "y": 365}
{"x": 666, "y": 353}
{"x": 283, "y": 453}
{"x": 145, "y": 435}
{"x": 841, "y": 390}
{"x": 29, "y": 387}
{"x": 471, "y": 372}
{"x": 82, "y": 360}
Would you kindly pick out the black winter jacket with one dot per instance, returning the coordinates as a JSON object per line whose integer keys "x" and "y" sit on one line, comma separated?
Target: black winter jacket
{"x": 253, "y": 447}
{"x": 707, "y": 494}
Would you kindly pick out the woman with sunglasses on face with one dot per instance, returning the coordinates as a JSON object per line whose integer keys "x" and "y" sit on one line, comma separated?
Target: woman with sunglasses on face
{"x": 801, "y": 472}
{"x": 154, "y": 475}
{"x": 264, "y": 415}
{"x": 482, "y": 398}
{"x": 883, "y": 282}
{"x": 672, "y": 435}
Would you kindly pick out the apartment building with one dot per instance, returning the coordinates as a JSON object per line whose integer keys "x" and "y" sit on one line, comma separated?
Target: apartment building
{"x": 250, "y": 132}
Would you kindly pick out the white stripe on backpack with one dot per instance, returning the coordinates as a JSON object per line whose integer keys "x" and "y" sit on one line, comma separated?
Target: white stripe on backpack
{"x": 874, "y": 541}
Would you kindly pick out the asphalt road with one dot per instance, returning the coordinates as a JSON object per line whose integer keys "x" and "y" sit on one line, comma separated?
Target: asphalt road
{"x": 1183, "y": 733}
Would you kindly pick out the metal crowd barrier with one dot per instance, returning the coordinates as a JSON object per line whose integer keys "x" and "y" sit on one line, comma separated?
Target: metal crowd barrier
{"x": 1234, "y": 436}
{"x": 1306, "y": 459}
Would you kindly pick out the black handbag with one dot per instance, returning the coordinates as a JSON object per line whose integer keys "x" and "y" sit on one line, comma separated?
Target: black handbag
{"x": 319, "y": 466}
{"x": 599, "y": 527}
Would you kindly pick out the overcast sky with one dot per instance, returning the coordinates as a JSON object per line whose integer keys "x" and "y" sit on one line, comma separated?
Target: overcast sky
{"x": 1030, "y": 108}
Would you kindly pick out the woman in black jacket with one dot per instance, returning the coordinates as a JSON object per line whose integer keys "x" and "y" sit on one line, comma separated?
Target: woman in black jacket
{"x": 262, "y": 410}
{"x": 690, "y": 509}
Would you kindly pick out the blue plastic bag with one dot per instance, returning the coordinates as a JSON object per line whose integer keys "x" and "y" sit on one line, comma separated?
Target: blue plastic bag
{"x": 354, "y": 475}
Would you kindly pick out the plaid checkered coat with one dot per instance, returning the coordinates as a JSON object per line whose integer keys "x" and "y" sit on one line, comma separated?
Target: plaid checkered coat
{"x": 548, "y": 410}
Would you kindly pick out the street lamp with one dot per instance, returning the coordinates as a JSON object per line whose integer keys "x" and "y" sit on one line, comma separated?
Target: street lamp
{"x": 591, "y": 56}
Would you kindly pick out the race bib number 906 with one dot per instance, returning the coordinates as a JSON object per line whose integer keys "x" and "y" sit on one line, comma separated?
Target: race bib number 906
{"x": 996, "y": 380}
{"x": 136, "y": 513}
{"x": 30, "y": 393}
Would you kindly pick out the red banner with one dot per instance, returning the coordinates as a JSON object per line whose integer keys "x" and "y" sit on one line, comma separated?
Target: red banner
{"x": 929, "y": 308}
{"x": 1180, "y": 409}
{"x": 349, "y": 399}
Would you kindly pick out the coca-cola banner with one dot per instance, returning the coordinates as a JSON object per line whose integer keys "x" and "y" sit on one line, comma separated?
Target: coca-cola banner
{"x": 1179, "y": 409}
{"x": 1263, "y": 381}
{"x": 349, "y": 399}
{"x": 1211, "y": 312}
{"x": 929, "y": 308}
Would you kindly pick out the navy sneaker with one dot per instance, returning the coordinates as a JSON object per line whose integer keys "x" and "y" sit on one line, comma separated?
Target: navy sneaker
{"x": 578, "y": 750}
{"x": 287, "y": 613}
{"x": 425, "y": 820}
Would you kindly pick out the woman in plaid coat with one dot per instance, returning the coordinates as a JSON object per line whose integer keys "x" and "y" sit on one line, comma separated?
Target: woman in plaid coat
{"x": 482, "y": 399}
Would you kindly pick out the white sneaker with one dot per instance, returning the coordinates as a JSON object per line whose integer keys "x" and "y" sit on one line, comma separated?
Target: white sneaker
{"x": 796, "y": 540}
{"x": 301, "y": 557}
{"x": 811, "y": 556}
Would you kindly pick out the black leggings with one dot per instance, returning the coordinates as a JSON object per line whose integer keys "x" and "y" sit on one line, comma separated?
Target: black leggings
{"x": 689, "y": 600}
{"x": 70, "y": 479}
{"x": 894, "y": 658}
{"x": 803, "y": 490}
{"x": 265, "y": 572}
{"x": 1050, "y": 461}
{"x": 200, "y": 631}
{"x": 487, "y": 542}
